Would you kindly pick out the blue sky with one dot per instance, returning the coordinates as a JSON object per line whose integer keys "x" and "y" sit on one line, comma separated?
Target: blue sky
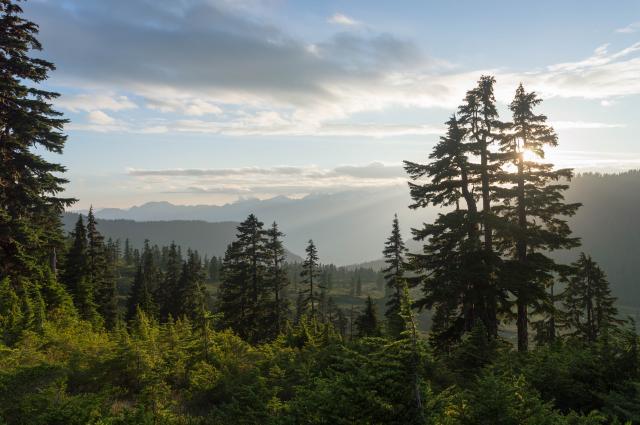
{"x": 206, "y": 101}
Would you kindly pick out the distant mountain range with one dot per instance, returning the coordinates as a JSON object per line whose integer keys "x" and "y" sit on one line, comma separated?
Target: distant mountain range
{"x": 351, "y": 227}
{"x": 347, "y": 227}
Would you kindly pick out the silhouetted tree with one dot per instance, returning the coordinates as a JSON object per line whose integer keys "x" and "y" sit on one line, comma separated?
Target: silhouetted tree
{"x": 453, "y": 265}
{"x": 590, "y": 307}
{"x": 277, "y": 278}
{"x": 309, "y": 274}
{"x": 533, "y": 205}
{"x": 394, "y": 252}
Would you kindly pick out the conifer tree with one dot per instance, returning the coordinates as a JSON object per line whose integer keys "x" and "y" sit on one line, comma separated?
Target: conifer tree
{"x": 77, "y": 276}
{"x": 107, "y": 293}
{"x": 168, "y": 293}
{"x": 245, "y": 297}
{"x": 233, "y": 295}
{"x": 143, "y": 289}
{"x": 411, "y": 334}
{"x": 394, "y": 254}
{"x": 29, "y": 185}
{"x": 276, "y": 276}
{"x": 478, "y": 115}
{"x": 533, "y": 205}
{"x": 128, "y": 253}
{"x": 590, "y": 307}
{"x": 214, "y": 269}
{"x": 96, "y": 259}
{"x": 367, "y": 322}
{"x": 99, "y": 272}
{"x": 192, "y": 295}
{"x": 546, "y": 326}
{"x": 453, "y": 265}
{"x": 252, "y": 238}
{"x": 10, "y": 312}
{"x": 309, "y": 274}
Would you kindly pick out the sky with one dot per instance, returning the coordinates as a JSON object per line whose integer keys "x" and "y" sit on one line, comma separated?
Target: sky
{"x": 210, "y": 101}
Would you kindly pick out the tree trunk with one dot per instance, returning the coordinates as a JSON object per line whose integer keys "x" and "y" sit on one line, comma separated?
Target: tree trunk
{"x": 521, "y": 251}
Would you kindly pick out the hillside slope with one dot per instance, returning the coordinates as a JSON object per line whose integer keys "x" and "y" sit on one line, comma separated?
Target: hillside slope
{"x": 207, "y": 238}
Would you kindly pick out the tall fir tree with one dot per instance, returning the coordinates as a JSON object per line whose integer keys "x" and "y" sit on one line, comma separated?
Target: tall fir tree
{"x": 168, "y": 293}
{"x": 548, "y": 315}
{"x": 394, "y": 254}
{"x": 589, "y": 306}
{"x": 252, "y": 238}
{"x": 144, "y": 287}
{"x": 30, "y": 208}
{"x": 233, "y": 299}
{"x": 100, "y": 273}
{"x": 192, "y": 295}
{"x": 453, "y": 267}
{"x": 244, "y": 294}
{"x": 533, "y": 205}
{"x": 478, "y": 115}
{"x": 277, "y": 278}
{"x": 77, "y": 275}
{"x": 309, "y": 294}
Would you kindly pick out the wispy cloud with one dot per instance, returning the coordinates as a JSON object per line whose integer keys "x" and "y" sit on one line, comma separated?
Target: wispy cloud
{"x": 95, "y": 101}
{"x": 341, "y": 19}
{"x": 100, "y": 118}
{"x": 629, "y": 29}
{"x": 264, "y": 181}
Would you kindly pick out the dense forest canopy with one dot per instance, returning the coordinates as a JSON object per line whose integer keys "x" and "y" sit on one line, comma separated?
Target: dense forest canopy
{"x": 97, "y": 331}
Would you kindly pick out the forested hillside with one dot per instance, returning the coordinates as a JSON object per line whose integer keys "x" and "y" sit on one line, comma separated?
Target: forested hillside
{"x": 96, "y": 331}
{"x": 607, "y": 224}
{"x": 209, "y": 239}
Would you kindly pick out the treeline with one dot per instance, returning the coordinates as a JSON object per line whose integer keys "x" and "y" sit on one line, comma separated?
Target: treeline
{"x": 253, "y": 286}
{"x": 261, "y": 355}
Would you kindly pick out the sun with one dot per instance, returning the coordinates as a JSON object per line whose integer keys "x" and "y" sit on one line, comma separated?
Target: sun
{"x": 530, "y": 156}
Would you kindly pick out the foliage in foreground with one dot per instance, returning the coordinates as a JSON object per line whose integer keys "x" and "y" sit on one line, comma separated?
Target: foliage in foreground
{"x": 173, "y": 374}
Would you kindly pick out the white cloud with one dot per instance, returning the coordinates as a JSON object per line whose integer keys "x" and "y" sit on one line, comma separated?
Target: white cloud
{"x": 100, "y": 118}
{"x": 95, "y": 101}
{"x": 341, "y": 19}
{"x": 265, "y": 123}
{"x": 629, "y": 29}
{"x": 282, "y": 85}
{"x": 262, "y": 181}
{"x": 605, "y": 75}
{"x": 602, "y": 76}
{"x": 187, "y": 105}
